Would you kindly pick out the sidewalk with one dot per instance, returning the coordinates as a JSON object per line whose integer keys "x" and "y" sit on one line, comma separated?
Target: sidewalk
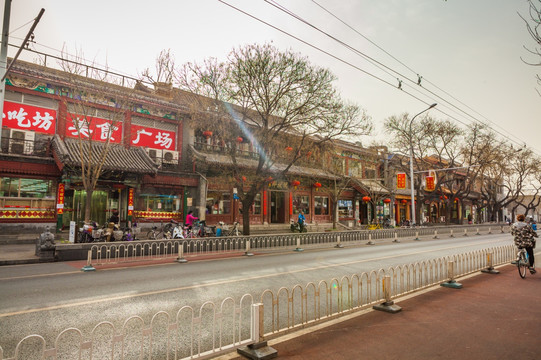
{"x": 491, "y": 317}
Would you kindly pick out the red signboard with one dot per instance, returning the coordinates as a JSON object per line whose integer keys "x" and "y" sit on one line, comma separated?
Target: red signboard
{"x": 60, "y": 199}
{"x": 26, "y": 117}
{"x": 401, "y": 181}
{"x": 95, "y": 128}
{"x": 153, "y": 138}
{"x": 430, "y": 186}
{"x": 130, "y": 202}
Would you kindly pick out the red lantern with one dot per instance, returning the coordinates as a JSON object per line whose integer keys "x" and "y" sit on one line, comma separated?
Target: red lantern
{"x": 366, "y": 198}
{"x": 289, "y": 148}
{"x": 270, "y": 180}
{"x": 404, "y": 201}
{"x": 308, "y": 154}
{"x": 457, "y": 199}
{"x": 317, "y": 185}
{"x": 295, "y": 183}
{"x": 244, "y": 178}
{"x": 207, "y": 134}
{"x": 387, "y": 201}
{"x": 239, "y": 139}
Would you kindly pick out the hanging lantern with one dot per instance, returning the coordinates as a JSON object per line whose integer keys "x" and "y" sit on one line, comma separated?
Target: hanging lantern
{"x": 308, "y": 154}
{"x": 387, "y": 201}
{"x": 207, "y": 134}
{"x": 317, "y": 185}
{"x": 270, "y": 180}
{"x": 289, "y": 148}
{"x": 295, "y": 183}
{"x": 366, "y": 198}
{"x": 244, "y": 178}
{"x": 404, "y": 201}
{"x": 239, "y": 139}
{"x": 457, "y": 199}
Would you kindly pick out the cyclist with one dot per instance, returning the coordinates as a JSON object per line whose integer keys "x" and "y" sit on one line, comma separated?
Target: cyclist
{"x": 301, "y": 220}
{"x": 190, "y": 219}
{"x": 525, "y": 238}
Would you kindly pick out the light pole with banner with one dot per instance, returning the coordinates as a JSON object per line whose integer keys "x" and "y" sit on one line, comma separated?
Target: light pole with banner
{"x": 411, "y": 166}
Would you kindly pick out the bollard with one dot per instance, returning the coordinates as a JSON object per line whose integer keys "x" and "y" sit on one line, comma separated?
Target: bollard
{"x": 396, "y": 238}
{"x": 489, "y": 231}
{"x": 417, "y": 236}
{"x": 501, "y": 228}
{"x": 180, "y": 258}
{"x": 451, "y": 274}
{"x": 248, "y": 252}
{"x": 452, "y": 235}
{"x": 259, "y": 349}
{"x": 389, "y": 305}
{"x": 465, "y": 232}
{"x": 435, "y": 234}
{"x": 88, "y": 266}
{"x": 370, "y": 242}
{"x": 338, "y": 245}
{"x": 299, "y": 245}
{"x": 477, "y": 233}
{"x": 490, "y": 268}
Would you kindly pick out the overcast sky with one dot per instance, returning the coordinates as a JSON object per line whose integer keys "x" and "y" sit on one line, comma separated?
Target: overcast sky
{"x": 467, "y": 52}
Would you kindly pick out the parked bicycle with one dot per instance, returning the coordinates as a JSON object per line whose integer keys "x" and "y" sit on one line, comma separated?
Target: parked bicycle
{"x": 233, "y": 231}
{"x": 162, "y": 232}
{"x": 523, "y": 262}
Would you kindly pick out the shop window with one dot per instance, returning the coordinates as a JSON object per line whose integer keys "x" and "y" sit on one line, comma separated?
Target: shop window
{"x": 301, "y": 202}
{"x": 345, "y": 208}
{"x": 255, "y": 209}
{"x": 27, "y": 193}
{"x": 321, "y": 205}
{"x": 158, "y": 203}
{"x": 218, "y": 202}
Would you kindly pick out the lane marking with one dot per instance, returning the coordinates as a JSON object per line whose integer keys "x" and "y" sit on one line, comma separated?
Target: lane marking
{"x": 222, "y": 282}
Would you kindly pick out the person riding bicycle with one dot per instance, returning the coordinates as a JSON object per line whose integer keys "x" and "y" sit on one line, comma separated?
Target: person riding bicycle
{"x": 190, "y": 219}
{"x": 524, "y": 237}
{"x": 301, "y": 219}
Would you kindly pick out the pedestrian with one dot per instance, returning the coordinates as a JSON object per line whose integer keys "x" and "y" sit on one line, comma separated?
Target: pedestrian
{"x": 524, "y": 237}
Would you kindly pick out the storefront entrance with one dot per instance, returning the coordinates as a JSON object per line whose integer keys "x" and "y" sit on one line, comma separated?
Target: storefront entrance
{"x": 277, "y": 207}
{"x": 74, "y": 206}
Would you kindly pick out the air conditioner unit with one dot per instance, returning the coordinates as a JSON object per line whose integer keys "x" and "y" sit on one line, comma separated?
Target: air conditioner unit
{"x": 155, "y": 154}
{"x": 21, "y": 142}
{"x": 170, "y": 157}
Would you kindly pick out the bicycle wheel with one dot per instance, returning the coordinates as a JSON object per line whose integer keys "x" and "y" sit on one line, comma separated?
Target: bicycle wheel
{"x": 522, "y": 264}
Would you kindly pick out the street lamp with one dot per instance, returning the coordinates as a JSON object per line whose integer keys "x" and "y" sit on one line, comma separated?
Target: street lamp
{"x": 411, "y": 166}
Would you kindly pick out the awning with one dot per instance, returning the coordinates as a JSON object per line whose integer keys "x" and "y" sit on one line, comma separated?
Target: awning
{"x": 213, "y": 158}
{"x": 119, "y": 158}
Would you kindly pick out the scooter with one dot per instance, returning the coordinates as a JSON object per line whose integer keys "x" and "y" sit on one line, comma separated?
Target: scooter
{"x": 296, "y": 227}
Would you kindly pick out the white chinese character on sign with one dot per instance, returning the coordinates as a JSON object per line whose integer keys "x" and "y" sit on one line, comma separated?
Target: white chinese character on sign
{"x": 80, "y": 127}
{"x": 20, "y": 116}
{"x": 163, "y": 140}
{"x": 43, "y": 122}
{"x": 139, "y": 132}
{"x": 107, "y": 130}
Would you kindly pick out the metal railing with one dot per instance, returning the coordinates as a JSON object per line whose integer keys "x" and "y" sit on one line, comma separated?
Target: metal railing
{"x": 115, "y": 252}
{"x": 216, "y": 328}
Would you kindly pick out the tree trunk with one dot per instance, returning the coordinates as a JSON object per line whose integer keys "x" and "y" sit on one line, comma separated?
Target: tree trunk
{"x": 245, "y": 220}
{"x": 88, "y": 205}
{"x": 334, "y": 214}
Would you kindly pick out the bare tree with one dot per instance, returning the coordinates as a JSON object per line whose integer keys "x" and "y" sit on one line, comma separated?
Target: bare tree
{"x": 278, "y": 102}
{"x": 533, "y": 25}
{"x": 89, "y": 88}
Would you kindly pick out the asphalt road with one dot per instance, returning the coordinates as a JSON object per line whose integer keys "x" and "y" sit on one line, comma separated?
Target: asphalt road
{"x": 48, "y": 298}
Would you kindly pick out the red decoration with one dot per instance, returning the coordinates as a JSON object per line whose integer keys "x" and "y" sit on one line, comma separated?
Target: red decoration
{"x": 404, "y": 201}
{"x": 207, "y": 134}
{"x": 244, "y": 178}
{"x": 387, "y": 201}
{"x": 289, "y": 148}
{"x": 366, "y": 198}
{"x": 270, "y": 180}
{"x": 317, "y": 185}
{"x": 239, "y": 139}
{"x": 308, "y": 154}
{"x": 457, "y": 199}
{"x": 401, "y": 181}
{"x": 295, "y": 183}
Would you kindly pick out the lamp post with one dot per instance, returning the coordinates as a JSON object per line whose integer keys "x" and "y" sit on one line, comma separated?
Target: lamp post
{"x": 411, "y": 166}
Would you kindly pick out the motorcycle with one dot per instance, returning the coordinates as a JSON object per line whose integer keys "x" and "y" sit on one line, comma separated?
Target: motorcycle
{"x": 173, "y": 230}
{"x": 90, "y": 232}
{"x": 113, "y": 233}
{"x": 202, "y": 230}
{"x": 296, "y": 227}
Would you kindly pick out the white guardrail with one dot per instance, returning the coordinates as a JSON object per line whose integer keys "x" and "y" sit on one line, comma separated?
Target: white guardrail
{"x": 216, "y": 328}
{"x": 116, "y": 252}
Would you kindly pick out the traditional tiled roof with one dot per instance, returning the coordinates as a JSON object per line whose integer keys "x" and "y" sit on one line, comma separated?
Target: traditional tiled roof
{"x": 119, "y": 158}
{"x": 370, "y": 186}
{"x": 213, "y": 158}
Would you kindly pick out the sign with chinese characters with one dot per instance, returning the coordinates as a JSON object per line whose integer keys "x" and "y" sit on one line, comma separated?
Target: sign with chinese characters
{"x": 401, "y": 181}
{"x": 93, "y": 128}
{"x": 153, "y": 138}
{"x": 60, "y": 199}
{"x": 430, "y": 186}
{"x": 130, "y": 202}
{"x": 26, "y": 117}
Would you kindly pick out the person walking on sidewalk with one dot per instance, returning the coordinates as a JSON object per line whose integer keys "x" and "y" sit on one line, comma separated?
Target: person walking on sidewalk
{"x": 524, "y": 237}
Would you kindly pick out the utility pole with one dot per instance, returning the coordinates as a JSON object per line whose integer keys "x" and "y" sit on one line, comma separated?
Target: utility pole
{"x": 4, "y": 61}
